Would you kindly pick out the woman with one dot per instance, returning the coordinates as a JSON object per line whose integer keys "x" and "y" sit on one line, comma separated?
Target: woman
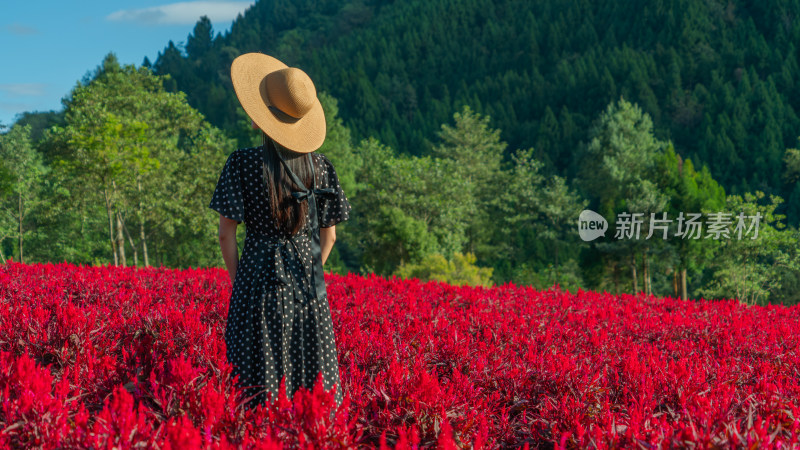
{"x": 279, "y": 325}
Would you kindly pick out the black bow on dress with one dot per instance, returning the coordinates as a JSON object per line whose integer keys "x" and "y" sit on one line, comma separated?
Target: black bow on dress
{"x": 318, "y": 284}
{"x": 302, "y": 195}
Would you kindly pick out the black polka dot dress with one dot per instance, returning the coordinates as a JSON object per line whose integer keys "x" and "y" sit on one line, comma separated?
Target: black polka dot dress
{"x": 279, "y": 320}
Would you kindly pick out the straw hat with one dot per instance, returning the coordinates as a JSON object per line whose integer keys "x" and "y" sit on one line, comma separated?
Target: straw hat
{"x": 281, "y": 100}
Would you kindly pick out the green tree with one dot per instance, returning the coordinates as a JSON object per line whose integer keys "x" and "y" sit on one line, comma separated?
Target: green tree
{"x": 476, "y": 153}
{"x": 791, "y": 176}
{"x": 458, "y": 271}
{"x": 145, "y": 152}
{"x": 617, "y": 172}
{"x": 40, "y": 122}
{"x": 517, "y": 209}
{"x": 791, "y": 159}
{"x": 340, "y": 150}
{"x": 108, "y": 153}
{"x": 746, "y": 265}
{"x": 536, "y": 217}
{"x": 561, "y": 207}
{"x": 690, "y": 192}
{"x": 338, "y": 146}
{"x": 22, "y": 173}
{"x": 412, "y": 206}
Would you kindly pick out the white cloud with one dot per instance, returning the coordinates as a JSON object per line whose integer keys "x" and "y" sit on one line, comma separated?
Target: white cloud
{"x": 183, "y": 13}
{"x": 14, "y": 108}
{"x": 20, "y": 29}
{"x": 23, "y": 89}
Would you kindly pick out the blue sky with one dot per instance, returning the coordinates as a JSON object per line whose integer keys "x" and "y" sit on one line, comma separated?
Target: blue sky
{"x": 49, "y": 45}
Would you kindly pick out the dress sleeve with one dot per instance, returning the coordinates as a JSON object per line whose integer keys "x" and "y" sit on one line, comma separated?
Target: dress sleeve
{"x": 227, "y": 199}
{"x": 336, "y": 208}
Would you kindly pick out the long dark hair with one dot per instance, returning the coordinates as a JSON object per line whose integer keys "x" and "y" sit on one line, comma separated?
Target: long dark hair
{"x": 288, "y": 214}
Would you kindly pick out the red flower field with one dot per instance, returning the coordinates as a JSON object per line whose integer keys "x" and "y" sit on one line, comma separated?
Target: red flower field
{"x": 102, "y": 357}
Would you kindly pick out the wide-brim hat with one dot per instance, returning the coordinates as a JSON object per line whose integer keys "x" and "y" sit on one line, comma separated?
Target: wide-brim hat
{"x": 281, "y": 100}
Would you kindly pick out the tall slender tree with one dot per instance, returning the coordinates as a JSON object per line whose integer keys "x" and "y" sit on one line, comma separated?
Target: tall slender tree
{"x": 22, "y": 173}
{"x": 620, "y": 161}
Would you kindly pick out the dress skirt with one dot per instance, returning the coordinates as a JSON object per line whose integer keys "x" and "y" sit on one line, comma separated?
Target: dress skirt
{"x": 276, "y": 327}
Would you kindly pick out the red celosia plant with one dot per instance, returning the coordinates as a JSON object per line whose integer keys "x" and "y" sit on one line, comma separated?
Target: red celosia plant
{"x": 117, "y": 357}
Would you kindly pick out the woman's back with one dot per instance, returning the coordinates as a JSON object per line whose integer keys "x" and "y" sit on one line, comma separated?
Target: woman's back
{"x": 242, "y": 195}
{"x": 277, "y": 325}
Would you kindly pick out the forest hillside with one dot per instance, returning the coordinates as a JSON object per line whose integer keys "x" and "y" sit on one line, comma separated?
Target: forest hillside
{"x": 718, "y": 78}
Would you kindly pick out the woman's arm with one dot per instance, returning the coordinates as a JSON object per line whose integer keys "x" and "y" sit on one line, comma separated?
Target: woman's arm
{"x": 327, "y": 236}
{"x": 227, "y": 242}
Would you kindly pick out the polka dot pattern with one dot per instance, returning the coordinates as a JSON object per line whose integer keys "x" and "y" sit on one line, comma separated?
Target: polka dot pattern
{"x": 275, "y": 326}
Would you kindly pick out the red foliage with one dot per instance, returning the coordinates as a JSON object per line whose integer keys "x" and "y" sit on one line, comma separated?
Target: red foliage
{"x": 112, "y": 357}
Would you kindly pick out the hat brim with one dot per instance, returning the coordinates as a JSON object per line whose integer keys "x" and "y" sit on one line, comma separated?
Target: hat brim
{"x": 303, "y": 135}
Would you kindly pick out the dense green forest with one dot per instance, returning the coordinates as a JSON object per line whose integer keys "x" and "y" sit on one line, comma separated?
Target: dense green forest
{"x": 718, "y": 78}
{"x": 467, "y": 135}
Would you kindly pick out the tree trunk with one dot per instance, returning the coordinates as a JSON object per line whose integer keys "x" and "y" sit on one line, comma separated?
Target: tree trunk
{"x": 133, "y": 246}
{"x": 616, "y": 278}
{"x": 675, "y": 282}
{"x": 683, "y": 284}
{"x": 121, "y": 241}
{"x": 556, "y": 254}
{"x": 744, "y": 285}
{"x": 142, "y": 234}
{"x": 633, "y": 274}
{"x": 111, "y": 227}
{"x": 143, "y": 237}
{"x": 21, "y": 259}
{"x": 646, "y": 273}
